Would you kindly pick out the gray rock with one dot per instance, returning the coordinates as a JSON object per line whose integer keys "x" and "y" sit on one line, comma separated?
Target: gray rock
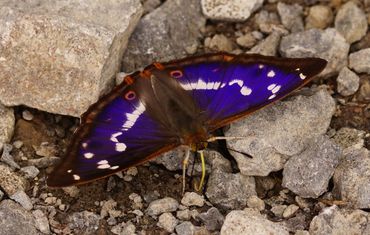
{"x": 352, "y": 178}
{"x": 43, "y": 162}
{"x": 1, "y": 195}
{"x": 219, "y": 42}
{"x": 185, "y": 228}
{"x": 327, "y": 44}
{"x": 160, "y": 36}
{"x": 291, "y": 16}
{"x": 359, "y": 61}
{"x": 68, "y": 52}
{"x": 183, "y": 214}
{"x": 27, "y": 115}
{"x": 349, "y": 137}
{"x": 41, "y": 221}
{"x": 11, "y": 182}
{"x": 247, "y": 40}
{"x": 268, "y": 46}
{"x": 124, "y": 228}
{"x": 277, "y": 132}
{"x": 230, "y": 10}
{"x": 250, "y": 221}
{"x": 278, "y": 210}
{"x": 84, "y": 222}
{"x": 308, "y": 173}
{"x": 256, "y": 203}
{"x": 7, "y": 122}
{"x": 333, "y": 220}
{"x": 30, "y": 172}
{"x": 7, "y": 158}
{"x": 229, "y": 191}
{"x": 267, "y": 21}
{"x": 351, "y": 22}
{"x": 319, "y": 16}
{"x": 347, "y": 82}
{"x": 15, "y": 220}
{"x": 290, "y": 211}
{"x": 172, "y": 160}
{"x": 22, "y": 198}
{"x": 163, "y": 205}
{"x": 167, "y": 221}
{"x": 212, "y": 219}
{"x": 192, "y": 199}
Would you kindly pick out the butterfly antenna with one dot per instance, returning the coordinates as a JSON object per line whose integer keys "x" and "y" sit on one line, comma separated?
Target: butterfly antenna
{"x": 200, "y": 186}
{"x": 214, "y": 138}
{"x": 185, "y": 163}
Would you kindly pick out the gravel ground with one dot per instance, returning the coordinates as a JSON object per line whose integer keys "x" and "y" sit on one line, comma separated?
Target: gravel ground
{"x": 310, "y": 171}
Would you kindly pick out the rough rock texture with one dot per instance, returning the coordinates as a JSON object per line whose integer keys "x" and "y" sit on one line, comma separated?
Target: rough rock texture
{"x": 349, "y": 138}
{"x": 10, "y": 181}
{"x": 274, "y": 134}
{"x": 160, "y": 36}
{"x": 347, "y": 82}
{"x": 230, "y": 191}
{"x": 230, "y": 10}
{"x": 268, "y": 46}
{"x": 351, "y": 22}
{"x": 212, "y": 219}
{"x": 359, "y": 61}
{"x": 16, "y": 220}
{"x": 291, "y": 16}
{"x": 61, "y": 56}
{"x": 333, "y": 220}
{"x": 160, "y": 206}
{"x": 167, "y": 221}
{"x": 327, "y": 44}
{"x": 352, "y": 178}
{"x": 319, "y": 16}
{"x": 7, "y": 122}
{"x": 85, "y": 221}
{"x": 250, "y": 221}
{"x": 307, "y": 174}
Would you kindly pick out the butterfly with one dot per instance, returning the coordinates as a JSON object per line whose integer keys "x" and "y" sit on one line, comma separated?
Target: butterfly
{"x": 182, "y": 102}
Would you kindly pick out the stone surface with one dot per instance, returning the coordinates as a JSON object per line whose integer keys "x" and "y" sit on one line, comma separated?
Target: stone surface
{"x": 351, "y": 22}
{"x": 230, "y": 10}
{"x": 219, "y": 42}
{"x": 16, "y": 220}
{"x": 256, "y": 203}
{"x": 247, "y": 40}
{"x": 30, "y": 172}
{"x": 290, "y": 211}
{"x": 249, "y": 221}
{"x": 41, "y": 221}
{"x": 10, "y": 181}
{"x": 319, "y": 16}
{"x": 359, "y": 61}
{"x": 267, "y": 21}
{"x": 185, "y": 228}
{"x": 167, "y": 221}
{"x": 328, "y": 44}
{"x": 22, "y": 198}
{"x": 349, "y": 138}
{"x": 291, "y": 16}
{"x": 333, "y": 220}
{"x": 7, "y": 158}
{"x": 282, "y": 130}
{"x": 347, "y": 82}
{"x": 352, "y": 179}
{"x": 124, "y": 228}
{"x": 85, "y": 221}
{"x": 163, "y": 205}
{"x": 192, "y": 199}
{"x": 69, "y": 52}
{"x": 268, "y": 46}
{"x": 229, "y": 191}
{"x": 156, "y": 39}
{"x": 307, "y": 174}
{"x": 212, "y": 219}
{"x": 7, "y": 123}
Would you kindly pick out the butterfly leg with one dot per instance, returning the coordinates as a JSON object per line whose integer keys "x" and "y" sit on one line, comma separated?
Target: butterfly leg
{"x": 185, "y": 163}
{"x": 200, "y": 186}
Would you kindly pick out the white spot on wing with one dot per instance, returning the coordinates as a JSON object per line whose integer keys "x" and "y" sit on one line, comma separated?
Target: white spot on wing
{"x": 120, "y": 147}
{"x": 132, "y": 117}
{"x": 103, "y": 166}
{"x": 84, "y": 145}
{"x": 69, "y": 171}
{"x": 114, "y": 167}
{"x": 76, "y": 177}
{"x": 245, "y": 91}
{"x": 88, "y": 155}
{"x": 302, "y": 76}
{"x": 261, "y": 66}
{"x": 102, "y": 162}
{"x": 276, "y": 89}
{"x": 272, "y": 96}
{"x": 114, "y": 136}
{"x": 236, "y": 81}
{"x": 272, "y": 86}
{"x": 271, "y": 74}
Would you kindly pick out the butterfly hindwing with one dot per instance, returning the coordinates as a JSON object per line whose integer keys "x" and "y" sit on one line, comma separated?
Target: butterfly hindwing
{"x": 115, "y": 133}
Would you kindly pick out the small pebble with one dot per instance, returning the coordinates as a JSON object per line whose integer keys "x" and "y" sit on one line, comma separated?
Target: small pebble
{"x": 319, "y": 16}
{"x": 50, "y": 200}
{"x": 41, "y": 221}
{"x": 18, "y": 144}
{"x": 220, "y": 42}
{"x": 278, "y": 210}
{"x": 246, "y": 41}
{"x": 167, "y": 221}
{"x": 192, "y": 199}
{"x": 290, "y": 211}
{"x": 183, "y": 214}
{"x": 185, "y": 228}
{"x": 30, "y": 172}
{"x": 256, "y": 202}
{"x": 347, "y": 82}
{"x": 160, "y": 206}
{"x": 22, "y": 198}
{"x": 137, "y": 201}
{"x": 132, "y": 171}
{"x": 27, "y": 115}
{"x": 72, "y": 191}
{"x": 124, "y": 228}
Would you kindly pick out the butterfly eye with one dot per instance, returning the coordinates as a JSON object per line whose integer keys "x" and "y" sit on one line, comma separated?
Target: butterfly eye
{"x": 176, "y": 74}
{"x": 130, "y": 95}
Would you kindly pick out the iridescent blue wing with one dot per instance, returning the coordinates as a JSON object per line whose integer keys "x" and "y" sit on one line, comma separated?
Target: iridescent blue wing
{"x": 227, "y": 87}
{"x": 115, "y": 133}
